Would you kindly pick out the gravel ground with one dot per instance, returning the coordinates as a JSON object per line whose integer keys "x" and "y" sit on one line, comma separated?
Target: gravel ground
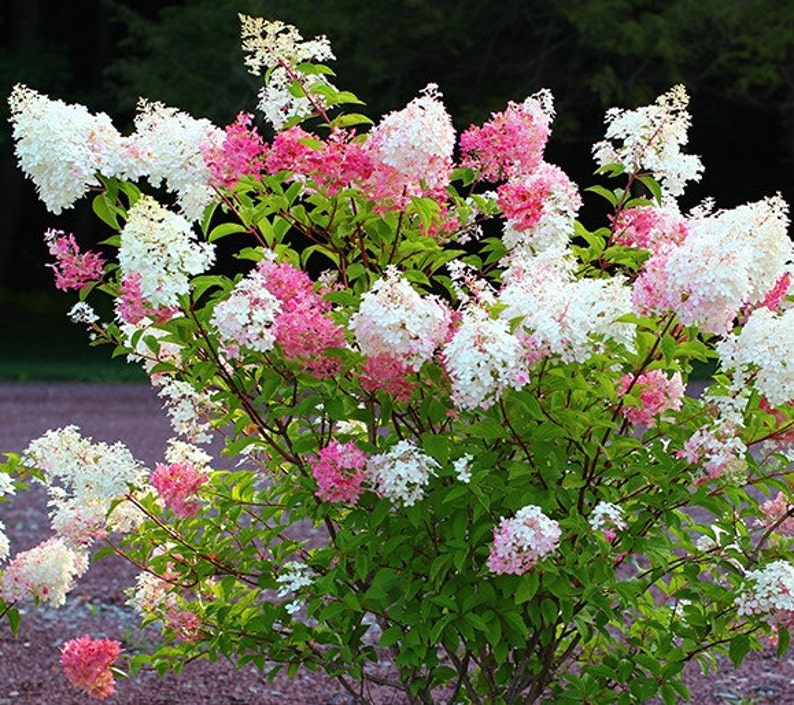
{"x": 29, "y": 668}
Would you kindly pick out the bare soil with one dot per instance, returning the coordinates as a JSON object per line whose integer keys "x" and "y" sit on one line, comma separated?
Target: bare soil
{"x": 29, "y": 664}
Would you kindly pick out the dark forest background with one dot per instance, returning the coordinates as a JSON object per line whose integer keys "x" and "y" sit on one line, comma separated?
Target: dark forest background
{"x": 736, "y": 59}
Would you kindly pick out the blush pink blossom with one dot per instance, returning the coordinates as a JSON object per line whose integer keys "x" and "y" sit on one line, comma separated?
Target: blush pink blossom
{"x": 519, "y": 543}
{"x": 650, "y": 228}
{"x": 303, "y": 329}
{"x": 177, "y": 483}
{"x": 778, "y": 512}
{"x": 73, "y": 269}
{"x": 512, "y": 142}
{"x": 657, "y": 393}
{"x": 339, "y": 472}
{"x": 87, "y": 664}
{"x": 240, "y": 153}
{"x": 388, "y": 374}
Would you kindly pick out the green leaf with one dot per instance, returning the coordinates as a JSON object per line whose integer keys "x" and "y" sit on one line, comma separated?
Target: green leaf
{"x": 783, "y": 639}
{"x": 738, "y": 649}
{"x": 225, "y": 229}
{"x": 605, "y": 193}
{"x": 351, "y": 119}
{"x": 527, "y": 587}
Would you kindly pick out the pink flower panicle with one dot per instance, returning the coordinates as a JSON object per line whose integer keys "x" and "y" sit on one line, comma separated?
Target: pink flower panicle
{"x": 240, "y": 153}
{"x": 333, "y": 164}
{"x": 519, "y": 543}
{"x": 777, "y": 511}
{"x": 339, "y": 472}
{"x": 656, "y": 392}
{"x": 650, "y": 228}
{"x": 291, "y": 151}
{"x": 388, "y": 374}
{"x": 73, "y": 269}
{"x": 177, "y": 483}
{"x": 522, "y": 202}
{"x": 719, "y": 451}
{"x": 304, "y": 331}
{"x": 512, "y": 142}
{"x": 87, "y": 664}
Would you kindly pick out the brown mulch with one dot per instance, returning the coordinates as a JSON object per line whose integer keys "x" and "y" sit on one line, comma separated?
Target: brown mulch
{"x": 29, "y": 667}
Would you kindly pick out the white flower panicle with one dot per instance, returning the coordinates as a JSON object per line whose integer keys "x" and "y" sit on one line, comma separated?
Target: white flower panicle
{"x": 522, "y": 540}
{"x": 462, "y": 468}
{"x": 729, "y": 260}
{"x": 5, "y": 545}
{"x": 765, "y": 347}
{"x": 278, "y": 49}
{"x": 401, "y": 473}
{"x": 161, "y": 247}
{"x": 168, "y": 146}
{"x": 147, "y": 594}
{"x": 82, "y": 312}
{"x": 62, "y": 147}
{"x": 770, "y": 591}
{"x": 395, "y": 320}
{"x": 606, "y": 514}
{"x": 418, "y": 141}
{"x": 269, "y": 43}
{"x": 178, "y": 451}
{"x": 84, "y": 479}
{"x": 294, "y": 576}
{"x": 541, "y": 209}
{"x": 650, "y": 140}
{"x": 247, "y": 317}
{"x": 561, "y": 315}
{"x": 188, "y": 410}
{"x": 45, "y": 573}
{"x": 483, "y": 358}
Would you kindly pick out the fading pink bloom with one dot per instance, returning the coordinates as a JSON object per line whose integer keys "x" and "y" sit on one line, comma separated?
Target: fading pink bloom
{"x": 511, "y": 143}
{"x": 656, "y": 392}
{"x": 132, "y": 307}
{"x": 519, "y": 543}
{"x": 719, "y": 452}
{"x": 240, "y": 153}
{"x": 339, "y": 472}
{"x": 177, "y": 484}
{"x": 650, "y": 228}
{"x": 87, "y": 664}
{"x": 183, "y": 623}
{"x": 777, "y": 511}
{"x": 388, "y": 374}
{"x": 303, "y": 329}
{"x": 73, "y": 269}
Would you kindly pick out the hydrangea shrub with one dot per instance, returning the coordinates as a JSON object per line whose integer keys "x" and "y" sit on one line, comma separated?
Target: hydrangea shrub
{"x": 455, "y": 422}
